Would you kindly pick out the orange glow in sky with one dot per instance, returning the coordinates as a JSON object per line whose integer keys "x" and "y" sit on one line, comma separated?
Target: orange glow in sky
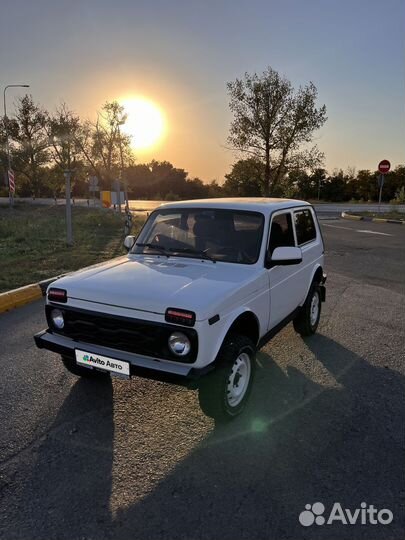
{"x": 145, "y": 122}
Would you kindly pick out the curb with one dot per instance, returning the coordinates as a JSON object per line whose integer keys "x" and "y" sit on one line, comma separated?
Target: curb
{"x": 353, "y": 217}
{"x": 346, "y": 215}
{"x": 19, "y": 297}
{"x": 24, "y": 295}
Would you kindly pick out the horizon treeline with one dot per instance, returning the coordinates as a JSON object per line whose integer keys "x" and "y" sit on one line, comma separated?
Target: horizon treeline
{"x": 43, "y": 145}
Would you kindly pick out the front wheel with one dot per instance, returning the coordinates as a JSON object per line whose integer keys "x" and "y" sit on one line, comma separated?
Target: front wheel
{"x": 223, "y": 394}
{"x": 306, "y": 322}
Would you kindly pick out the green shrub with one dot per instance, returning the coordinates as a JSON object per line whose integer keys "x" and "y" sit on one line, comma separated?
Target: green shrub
{"x": 399, "y": 196}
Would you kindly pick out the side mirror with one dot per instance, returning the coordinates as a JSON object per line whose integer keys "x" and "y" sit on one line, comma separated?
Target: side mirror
{"x": 129, "y": 242}
{"x": 284, "y": 256}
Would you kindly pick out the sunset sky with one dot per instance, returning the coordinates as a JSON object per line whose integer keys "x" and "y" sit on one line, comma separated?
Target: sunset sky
{"x": 179, "y": 54}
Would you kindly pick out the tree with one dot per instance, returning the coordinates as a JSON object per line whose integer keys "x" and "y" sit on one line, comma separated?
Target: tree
{"x": 399, "y": 196}
{"x": 275, "y": 123}
{"x": 245, "y": 179}
{"x": 104, "y": 146}
{"x": 364, "y": 186}
{"x": 215, "y": 190}
{"x": 63, "y": 129}
{"x": 157, "y": 179}
{"x": 318, "y": 178}
{"x": 335, "y": 186}
{"x": 195, "y": 189}
{"x": 160, "y": 179}
{"x": 394, "y": 181}
{"x": 29, "y": 142}
{"x": 139, "y": 177}
{"x": 303, "y": 184}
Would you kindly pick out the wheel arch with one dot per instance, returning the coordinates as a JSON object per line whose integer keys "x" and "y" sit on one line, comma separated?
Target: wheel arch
{"x": 244, "y": 323}
{"x": 317, "y": 275}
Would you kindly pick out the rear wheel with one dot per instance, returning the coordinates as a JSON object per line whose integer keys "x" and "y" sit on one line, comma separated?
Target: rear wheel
{"x": 80, "y": 371}
{"x": 306, "y": 322}
{"x": 223, "y": 394}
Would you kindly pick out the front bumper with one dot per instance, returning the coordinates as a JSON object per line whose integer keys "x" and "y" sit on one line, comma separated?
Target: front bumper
{"x": 142, "y": 366}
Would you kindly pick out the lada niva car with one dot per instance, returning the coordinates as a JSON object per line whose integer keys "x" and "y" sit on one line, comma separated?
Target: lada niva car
{"x": 204, "y": 285}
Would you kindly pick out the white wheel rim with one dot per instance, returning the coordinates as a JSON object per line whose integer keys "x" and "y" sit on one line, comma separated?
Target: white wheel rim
{"x": 314, "y": 312}
{"x": 238, "y": 381}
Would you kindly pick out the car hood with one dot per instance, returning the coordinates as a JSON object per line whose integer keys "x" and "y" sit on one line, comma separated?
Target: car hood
{"x": 153, "y": 284}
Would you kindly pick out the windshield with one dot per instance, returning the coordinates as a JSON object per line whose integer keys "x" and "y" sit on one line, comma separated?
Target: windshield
{"x": 220, "y": 235}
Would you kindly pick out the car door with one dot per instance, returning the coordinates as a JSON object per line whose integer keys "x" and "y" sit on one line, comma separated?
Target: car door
{"x": 285, "y": 282}
{"x": 309, "y": 240}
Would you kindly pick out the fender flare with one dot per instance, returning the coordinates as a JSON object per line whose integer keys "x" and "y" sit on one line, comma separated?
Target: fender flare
{"x": 233, "y": 317}
{"x": 317, "y": 270}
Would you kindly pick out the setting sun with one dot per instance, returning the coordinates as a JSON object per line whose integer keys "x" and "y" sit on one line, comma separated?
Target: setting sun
{"x": 145, "y": 122}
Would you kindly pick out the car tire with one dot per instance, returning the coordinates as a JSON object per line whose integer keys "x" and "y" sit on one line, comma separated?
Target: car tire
{"x": 307, "y": 320}
{"x": 224, "y": 393}
{"x": 80, "y": 371}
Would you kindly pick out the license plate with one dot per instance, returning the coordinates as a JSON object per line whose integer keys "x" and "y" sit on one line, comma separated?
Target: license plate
{"x": 117, "y": 367}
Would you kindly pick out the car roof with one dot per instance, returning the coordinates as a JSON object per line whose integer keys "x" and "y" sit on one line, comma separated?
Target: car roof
{"x": 265, "y": 205}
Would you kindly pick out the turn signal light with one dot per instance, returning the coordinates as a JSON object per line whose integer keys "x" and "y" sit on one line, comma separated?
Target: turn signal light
{"x": 57, "y": 295}
{"x": 180, "y": 316}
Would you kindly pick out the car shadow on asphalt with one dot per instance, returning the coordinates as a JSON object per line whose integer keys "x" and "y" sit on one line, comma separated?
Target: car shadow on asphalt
{"x": 66, "y": 479}
{"x": 297, "y": 443}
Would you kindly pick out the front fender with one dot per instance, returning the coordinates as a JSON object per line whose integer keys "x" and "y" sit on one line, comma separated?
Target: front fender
{"x": 223, "y": 326}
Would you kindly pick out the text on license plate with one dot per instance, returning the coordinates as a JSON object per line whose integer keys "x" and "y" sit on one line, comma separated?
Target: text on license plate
{"x": 102, "y": 362}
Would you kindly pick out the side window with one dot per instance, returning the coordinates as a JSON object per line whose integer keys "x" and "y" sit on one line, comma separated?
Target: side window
{"x": 304, "y": 226}
{"x": 281, "y": 233}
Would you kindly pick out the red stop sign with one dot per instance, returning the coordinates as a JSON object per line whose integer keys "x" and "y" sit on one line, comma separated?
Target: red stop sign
{"x": 384, "y": 166}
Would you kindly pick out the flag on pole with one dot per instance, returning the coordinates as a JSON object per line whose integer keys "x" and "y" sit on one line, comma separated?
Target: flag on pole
{"x": 11, "y": 181}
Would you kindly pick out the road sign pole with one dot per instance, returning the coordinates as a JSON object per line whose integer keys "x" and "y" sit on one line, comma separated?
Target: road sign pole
{"x": 383, "y": 167}
{"x": 380, "y": 193}
{"x": 69, "y": 232}
{"x": 11, "y": 186}
{"x": 10, "y": 197}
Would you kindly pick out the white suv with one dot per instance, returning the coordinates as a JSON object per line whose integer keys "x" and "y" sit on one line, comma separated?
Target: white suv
{"x": 203, "y": 287}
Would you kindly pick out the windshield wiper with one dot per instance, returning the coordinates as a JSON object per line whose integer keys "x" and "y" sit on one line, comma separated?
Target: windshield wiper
{"x": 192, "y": 251}
{"x": 154, "y": 246}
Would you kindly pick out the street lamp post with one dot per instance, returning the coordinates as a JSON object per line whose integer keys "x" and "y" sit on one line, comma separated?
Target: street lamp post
{"x": 6, "y": 128}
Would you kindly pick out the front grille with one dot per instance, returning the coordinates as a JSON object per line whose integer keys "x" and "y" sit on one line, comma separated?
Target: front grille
{"x": 123, "y": 333}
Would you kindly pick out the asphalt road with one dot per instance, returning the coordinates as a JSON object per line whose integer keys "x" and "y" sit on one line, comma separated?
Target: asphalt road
{"x": 138, "y": 460}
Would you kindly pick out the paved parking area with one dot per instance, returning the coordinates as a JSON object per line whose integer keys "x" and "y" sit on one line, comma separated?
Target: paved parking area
{"x": 138, "y": 460}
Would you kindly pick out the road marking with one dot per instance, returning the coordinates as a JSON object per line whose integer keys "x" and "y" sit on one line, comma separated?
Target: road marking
{"x": 337, "y": 227}
{"x": 373, "y": 232}
{"x": 357, "y": 230}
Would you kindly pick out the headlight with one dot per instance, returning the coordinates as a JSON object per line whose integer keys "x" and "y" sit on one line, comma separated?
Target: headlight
{"x": 179, "y": 344}
{"x": 57, "y": 318}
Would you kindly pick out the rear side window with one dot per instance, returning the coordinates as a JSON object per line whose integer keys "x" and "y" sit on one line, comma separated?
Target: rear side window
{"x": 304, "y": 226}
{"x": 281, "y": 232}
